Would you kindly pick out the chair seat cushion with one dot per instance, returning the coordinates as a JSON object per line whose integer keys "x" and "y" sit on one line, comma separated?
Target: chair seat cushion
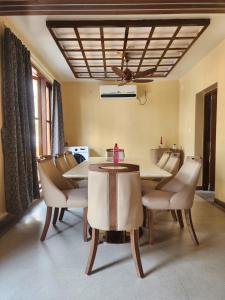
{"x": 156, "y": 199}
{"x": 148, "y": 185}
{"x": 76, "y": 197}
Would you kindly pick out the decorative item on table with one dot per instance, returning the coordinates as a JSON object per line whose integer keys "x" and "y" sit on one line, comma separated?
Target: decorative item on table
{"x": 161, "y": 142}
{"x": 109, "y": 154}
{"x": 174, "y": 147}
{"x": 116, "y": 154}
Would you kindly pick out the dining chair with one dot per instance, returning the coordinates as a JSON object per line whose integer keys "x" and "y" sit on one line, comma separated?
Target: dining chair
{"x": 61, "y": 163}
{"x": 171, "y": 166}
{"x": 63, "y": 167}
{"x": 177, "y": 195}
{"x": 114, "y": 204}
{"x": 71, "y": 161}
{"x": 173, "y": 163}
{"x": 57, "y": 193}
{"x": 164, "y": 158}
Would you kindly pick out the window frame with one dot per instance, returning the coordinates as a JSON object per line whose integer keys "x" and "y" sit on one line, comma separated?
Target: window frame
{"x": 43, "y": 84}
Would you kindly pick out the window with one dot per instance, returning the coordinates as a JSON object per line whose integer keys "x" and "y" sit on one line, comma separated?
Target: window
{"x": 42, "y": 112}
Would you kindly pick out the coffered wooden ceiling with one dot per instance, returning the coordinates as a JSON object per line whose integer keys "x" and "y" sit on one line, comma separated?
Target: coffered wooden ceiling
{"x": 91, "y": 48}
{"x": 99, "y": 7}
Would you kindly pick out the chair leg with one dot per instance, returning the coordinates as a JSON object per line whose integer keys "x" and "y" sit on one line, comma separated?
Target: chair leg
{"x": 85, "y": 225}
{"x": 190, "y": 226}
{"x": 61, "y": 215}
{"x": 173, "y": 213}
{"x": 180, "y": 218}
{"x": 134, "y": 238}
{"x": 55, "y": 216}
{"x": 47, "y": 223}
{"x": 150, "y": 227}
{"x": 93, "y": 250}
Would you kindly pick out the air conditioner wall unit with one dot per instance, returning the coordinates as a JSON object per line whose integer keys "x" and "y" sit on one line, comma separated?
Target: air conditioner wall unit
{"x": 115, "y": 92}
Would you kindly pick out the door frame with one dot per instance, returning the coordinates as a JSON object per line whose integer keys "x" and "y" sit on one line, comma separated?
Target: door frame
{"x": 209, "y": 140}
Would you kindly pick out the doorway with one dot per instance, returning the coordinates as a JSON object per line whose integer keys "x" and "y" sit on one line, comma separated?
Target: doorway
{"x": 209, "y": 140}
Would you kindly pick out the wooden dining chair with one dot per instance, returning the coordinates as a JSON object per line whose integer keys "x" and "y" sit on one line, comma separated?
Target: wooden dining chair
{"x": 177, "y": 195}
{"x": 114, "y": 204}
{"x": 164, "y": 158}
{"x": 70, "y": 159}
{"x": 57, "y": 193}
{"x": 173, "y": 163}
{"x": 151, "y": 184}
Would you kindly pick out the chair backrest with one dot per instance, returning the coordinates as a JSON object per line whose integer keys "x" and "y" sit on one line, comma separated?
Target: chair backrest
{"x": 163, "y": 160}
{"x": 61, "y": 163}
{"x": 109, "y": 154}
{"x": 71, "y": 161}
{"x": 52, "y": 183}
{"x": 114, "y": 197}
{"x": 173, "y": 163}
{"x": 187, "y": 175}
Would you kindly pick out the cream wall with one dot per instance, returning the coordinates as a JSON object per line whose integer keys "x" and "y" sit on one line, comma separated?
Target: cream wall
{"x": 210, "y": 70}
{"x": 136, "y": 128}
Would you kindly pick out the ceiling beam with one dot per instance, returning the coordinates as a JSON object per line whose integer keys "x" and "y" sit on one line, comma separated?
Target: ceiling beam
{"x": 109, "y": 7}
{"x": 124, "y": 23}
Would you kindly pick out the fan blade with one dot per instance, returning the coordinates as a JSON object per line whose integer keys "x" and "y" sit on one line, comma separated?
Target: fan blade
{"x": 107, "y": 79}
{"x": 117, "y": 71}
{"x": 142, "y": 80}
{"x": 145, "y": 73}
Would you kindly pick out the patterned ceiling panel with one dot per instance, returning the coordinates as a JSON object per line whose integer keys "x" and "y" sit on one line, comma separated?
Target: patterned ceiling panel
{"x": 91, "y": 48}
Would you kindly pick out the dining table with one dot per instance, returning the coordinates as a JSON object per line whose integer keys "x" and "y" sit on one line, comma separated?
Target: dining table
{"x": 148, "y": 170}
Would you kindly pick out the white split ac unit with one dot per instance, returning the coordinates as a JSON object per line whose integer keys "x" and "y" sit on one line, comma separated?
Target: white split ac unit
{"x": 127, "y": 92}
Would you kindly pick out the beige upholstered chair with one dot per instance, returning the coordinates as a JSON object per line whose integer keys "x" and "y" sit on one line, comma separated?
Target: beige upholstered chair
{"x": 173, "y": 163}
{"x": 61, "y": 163}
{"x": 58, "y": 193}
{"x": 164, "y": 158}
{"x": 63, "y": 167}
{"x": 114, "y": 204}
{"x": 177, "y": 194}
{"x": 172, "y": 166}
{"x": 70, "y": 159}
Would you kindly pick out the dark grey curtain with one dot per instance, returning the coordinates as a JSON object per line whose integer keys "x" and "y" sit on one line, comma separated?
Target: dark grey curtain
{"x": 57, "y": 120}
{"x": 18, "y": 132}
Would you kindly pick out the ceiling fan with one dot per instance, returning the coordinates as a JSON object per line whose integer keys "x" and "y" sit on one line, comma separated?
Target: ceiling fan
{"x": 128, "y": 76}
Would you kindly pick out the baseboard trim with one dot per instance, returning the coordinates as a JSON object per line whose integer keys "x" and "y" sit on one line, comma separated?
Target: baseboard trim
{"x": 220, "y": 203}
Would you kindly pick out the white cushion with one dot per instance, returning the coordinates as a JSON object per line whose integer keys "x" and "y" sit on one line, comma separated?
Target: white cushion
{"x": 156, "y": 199}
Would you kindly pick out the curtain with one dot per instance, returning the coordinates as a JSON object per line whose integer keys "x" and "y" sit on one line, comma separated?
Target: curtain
{"x": 57, "y": 131}
{"x": 18, "y": 132}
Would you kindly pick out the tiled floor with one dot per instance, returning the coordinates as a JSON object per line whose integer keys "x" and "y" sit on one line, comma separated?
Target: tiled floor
{"x": 174, "y": 267}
